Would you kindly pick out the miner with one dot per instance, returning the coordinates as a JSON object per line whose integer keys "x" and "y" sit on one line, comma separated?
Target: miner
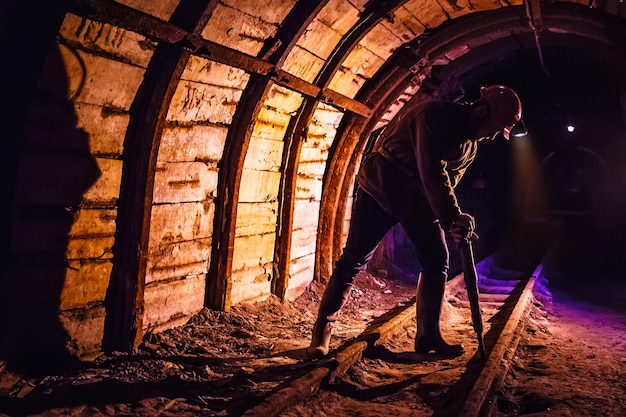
{"x": 409, "y": 178}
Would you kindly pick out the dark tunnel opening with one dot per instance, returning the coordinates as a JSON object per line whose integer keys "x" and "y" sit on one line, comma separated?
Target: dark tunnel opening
{"x": 560, "y": 189}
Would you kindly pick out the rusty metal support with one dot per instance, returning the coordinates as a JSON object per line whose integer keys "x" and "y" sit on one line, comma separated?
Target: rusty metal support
{"x": 107, "y": 11}
{"x": 342, "y": 153}
{"x": 286, "y": 197}
{"x": 124, "y": 301}
{"x": 218, "y": 295}
{"x": 533, "y": 10}
{"x": 535, "y": 22}
{"x": 274, "y": 52}
{"x": 341, "y": 101}
{"x": 113, "y": 13}
{"x": 343, "y": 164}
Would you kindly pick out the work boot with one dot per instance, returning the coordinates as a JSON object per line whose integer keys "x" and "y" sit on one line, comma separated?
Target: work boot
{"x": 430, "y": 290}
{"x": 335, "y": 296}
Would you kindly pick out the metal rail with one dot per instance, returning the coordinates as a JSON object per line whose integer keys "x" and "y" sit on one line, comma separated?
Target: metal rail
{"x": 512, "y": 294}
{"x": 496, "y": 365}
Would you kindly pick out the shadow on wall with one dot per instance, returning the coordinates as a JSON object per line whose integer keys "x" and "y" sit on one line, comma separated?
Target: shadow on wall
{"x": 55, "y": 168}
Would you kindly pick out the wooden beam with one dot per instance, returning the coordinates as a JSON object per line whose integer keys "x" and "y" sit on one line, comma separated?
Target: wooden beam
{"x": 339, "y": 100}
{"x": 276, "y": 50}
{"x": 125, "y": 295}
{"x": 218, "y": 290}
{"x": 117, "y": 14}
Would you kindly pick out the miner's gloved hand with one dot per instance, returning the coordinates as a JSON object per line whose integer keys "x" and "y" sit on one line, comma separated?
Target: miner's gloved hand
{"x": 463, "y": 228}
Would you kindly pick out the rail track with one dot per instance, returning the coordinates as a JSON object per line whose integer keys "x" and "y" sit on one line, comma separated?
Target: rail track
{"x": 378, "y": 369}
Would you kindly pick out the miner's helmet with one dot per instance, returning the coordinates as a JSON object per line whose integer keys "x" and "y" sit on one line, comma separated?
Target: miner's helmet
{"x": 506, "y": 109}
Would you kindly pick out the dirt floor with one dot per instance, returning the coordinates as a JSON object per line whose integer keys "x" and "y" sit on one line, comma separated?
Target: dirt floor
{"x": 218, "y": 364}
{"x": 571, "y": 362}
{"x": 572, "y": 358}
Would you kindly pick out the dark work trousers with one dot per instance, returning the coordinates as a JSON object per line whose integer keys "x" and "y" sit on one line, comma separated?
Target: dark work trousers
{"x": 369, "y": 224}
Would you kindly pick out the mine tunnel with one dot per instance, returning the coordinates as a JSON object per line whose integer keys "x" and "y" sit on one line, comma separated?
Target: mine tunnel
{"x": 167, "y": 158}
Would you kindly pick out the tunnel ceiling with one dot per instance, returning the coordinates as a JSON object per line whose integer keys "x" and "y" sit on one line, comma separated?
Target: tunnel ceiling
{"x": 469, "y": 48}
{"x": 574, "y": 51}
{"x": 466, "y": 49}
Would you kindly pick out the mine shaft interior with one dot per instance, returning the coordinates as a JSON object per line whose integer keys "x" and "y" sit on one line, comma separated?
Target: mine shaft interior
{"x": 176, "y": 165}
